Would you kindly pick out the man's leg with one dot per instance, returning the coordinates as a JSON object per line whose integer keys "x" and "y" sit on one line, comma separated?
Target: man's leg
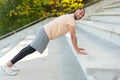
{"x": 24, "y": 52}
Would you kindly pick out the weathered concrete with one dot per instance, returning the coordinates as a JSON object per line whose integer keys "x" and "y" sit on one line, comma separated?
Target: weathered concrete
{"x": 103, "y": 59}
{"x": 57, "y": 63}
{"x": 11, "y": 41}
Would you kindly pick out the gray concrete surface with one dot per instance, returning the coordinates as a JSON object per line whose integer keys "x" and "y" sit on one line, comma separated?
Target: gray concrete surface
{"x": 103, "y": 62}
{"x": 11, "y": 41}
{"x": 56, "y": 63}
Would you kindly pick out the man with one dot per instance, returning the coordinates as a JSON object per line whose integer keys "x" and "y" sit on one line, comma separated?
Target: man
{"x": 54, "y": 29}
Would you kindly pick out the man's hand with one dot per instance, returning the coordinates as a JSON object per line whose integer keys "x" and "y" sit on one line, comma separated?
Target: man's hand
{"x": 80, "y": 51}
{"x": 74, "y": 40}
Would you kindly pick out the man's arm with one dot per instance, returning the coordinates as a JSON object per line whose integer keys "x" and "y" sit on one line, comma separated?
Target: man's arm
{"x": 74, "y": 39}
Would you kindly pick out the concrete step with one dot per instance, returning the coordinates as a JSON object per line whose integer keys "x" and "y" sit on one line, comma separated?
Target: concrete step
{"x": 103, "y": 60}
{"x": 11, "y": 41}
{"x": 90, "y": 77}
{"x": 112, "y": 8}
{"x": 115, "y": 9}
{"x": 113, "y": 2}
{"x": 95, "y": 8}
{"x": 106, "y": 14}
{"x": 102, "y": 56}
{"x": 109, "y": 17}
{"x": 109, "y": 74}
{"x": 109, "y": 32}
{"x": 16, "y": 49}
{"x": 60, "y": 64}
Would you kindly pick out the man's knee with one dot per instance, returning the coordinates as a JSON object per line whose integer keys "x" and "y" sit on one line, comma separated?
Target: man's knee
{"x": 28, "y": 50}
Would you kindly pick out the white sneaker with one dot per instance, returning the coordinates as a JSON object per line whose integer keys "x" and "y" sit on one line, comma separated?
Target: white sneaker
{"x": 14, "y": 68}
{"x": 9, "y": 70}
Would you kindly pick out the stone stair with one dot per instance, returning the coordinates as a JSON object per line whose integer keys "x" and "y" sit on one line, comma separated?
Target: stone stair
{"x": 109, "y": 13}
{"x": 60, "y": 64}
{"x": 112, "y": 8}
{"x": 12, "y": 41}
{"x": 56, "y": 63}
{"x": 103, "y": 56}
{"x": 99, "y": 34}
{"x": 110, "y": 31}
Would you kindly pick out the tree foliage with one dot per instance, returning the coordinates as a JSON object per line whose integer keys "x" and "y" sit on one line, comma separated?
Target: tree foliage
{"x": 17, "y": 13}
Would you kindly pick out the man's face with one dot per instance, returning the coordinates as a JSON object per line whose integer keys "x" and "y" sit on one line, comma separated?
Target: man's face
{"x": 78, "y": 14}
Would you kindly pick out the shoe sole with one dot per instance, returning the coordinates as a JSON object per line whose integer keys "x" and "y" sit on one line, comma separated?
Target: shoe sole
{"x": 15, "y": 69}
{"x": 7, "y": 73}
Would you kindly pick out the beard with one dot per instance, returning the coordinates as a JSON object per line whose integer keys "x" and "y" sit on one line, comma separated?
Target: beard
{"x": 75, "y": 17}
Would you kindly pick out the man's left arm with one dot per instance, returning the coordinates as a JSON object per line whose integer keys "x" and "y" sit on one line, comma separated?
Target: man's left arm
{"x": 74, "y": 39}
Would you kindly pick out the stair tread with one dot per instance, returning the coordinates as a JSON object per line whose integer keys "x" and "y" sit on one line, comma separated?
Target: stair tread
{"x": 106, "y": 13}
{"x": 16, "y": 49}
{"x": 102, "y": 54}
{"x": 112, "y": 6}
{"x": 102, "y": 25}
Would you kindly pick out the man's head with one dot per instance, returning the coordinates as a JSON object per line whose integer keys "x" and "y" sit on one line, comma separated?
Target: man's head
{"x": 79, "y": 13}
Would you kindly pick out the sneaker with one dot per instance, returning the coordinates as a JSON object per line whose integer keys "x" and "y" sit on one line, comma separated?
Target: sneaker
{"x": 8, "y": 70}
{"x": 14, "y": 68}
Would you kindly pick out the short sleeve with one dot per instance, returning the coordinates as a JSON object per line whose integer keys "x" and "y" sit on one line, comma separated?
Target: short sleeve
{"x": 71, "y": 22}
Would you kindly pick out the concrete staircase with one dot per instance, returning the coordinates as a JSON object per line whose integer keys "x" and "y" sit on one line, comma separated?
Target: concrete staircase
{"x": 56, "y": 63}
{"x": 99, "y": 34}
{"x": 12, "y": 41}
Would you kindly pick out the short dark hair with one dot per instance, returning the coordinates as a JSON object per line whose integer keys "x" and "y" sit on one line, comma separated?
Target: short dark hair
{"x": 72, "y": 11}
{"x": 80, "y": 9}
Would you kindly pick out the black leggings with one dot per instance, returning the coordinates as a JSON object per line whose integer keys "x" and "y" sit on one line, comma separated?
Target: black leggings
{"x": 24, "y": 52}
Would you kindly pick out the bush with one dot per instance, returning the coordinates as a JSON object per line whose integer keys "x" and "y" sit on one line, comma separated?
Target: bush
{"x": 15, "y": 13}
